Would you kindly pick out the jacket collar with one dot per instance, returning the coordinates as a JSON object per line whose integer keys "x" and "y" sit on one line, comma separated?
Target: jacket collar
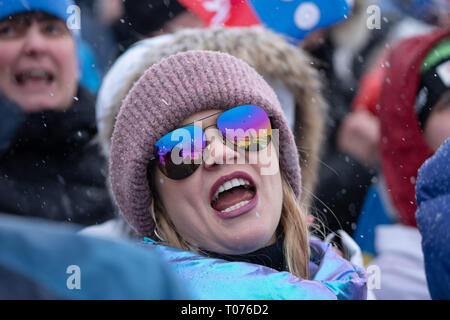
{"x": 46, "y": 130}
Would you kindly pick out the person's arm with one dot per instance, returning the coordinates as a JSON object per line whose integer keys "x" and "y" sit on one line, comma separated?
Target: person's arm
{"x": 433, "y": 220}
{"x": 40, "y": 259}
{"x": 11, "y": 118}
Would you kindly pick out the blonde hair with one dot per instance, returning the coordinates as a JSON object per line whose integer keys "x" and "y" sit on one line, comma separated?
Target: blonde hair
{"x": 293, "y": 222}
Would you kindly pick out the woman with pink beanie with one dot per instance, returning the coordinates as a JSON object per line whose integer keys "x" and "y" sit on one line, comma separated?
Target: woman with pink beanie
{"x": 204, "y": 166}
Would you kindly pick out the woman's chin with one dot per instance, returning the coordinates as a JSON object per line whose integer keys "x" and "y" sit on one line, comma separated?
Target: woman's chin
{"x": 245, "y": 243}
{"x": 42, "y": 102}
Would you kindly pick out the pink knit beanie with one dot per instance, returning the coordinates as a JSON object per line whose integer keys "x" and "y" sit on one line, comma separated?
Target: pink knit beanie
{"x": 169, "y": 92}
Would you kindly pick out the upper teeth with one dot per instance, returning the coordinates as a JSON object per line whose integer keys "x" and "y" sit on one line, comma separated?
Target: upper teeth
{"x": 34, "y": 73}
{"x": 37, "y": 73}
{"x": 236, "y": 182}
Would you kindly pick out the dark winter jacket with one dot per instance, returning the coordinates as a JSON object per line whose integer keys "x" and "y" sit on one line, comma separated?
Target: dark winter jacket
{"x": 49, "y": 166}
{"x": 433, "y": 220}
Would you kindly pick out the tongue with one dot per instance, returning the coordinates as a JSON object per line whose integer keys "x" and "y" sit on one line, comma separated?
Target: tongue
{"x": 233, "y": 196}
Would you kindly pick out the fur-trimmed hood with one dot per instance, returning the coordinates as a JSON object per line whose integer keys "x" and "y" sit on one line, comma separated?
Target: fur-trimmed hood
{"x": 269, "y": 54}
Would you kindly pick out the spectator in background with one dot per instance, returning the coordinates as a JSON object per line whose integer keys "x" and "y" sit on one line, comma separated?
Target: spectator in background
{"x": 354, "y": 63}
{"x": 415, "y": 120}
{"x": 360, "y": 131}
{"x": 48, "y": 166}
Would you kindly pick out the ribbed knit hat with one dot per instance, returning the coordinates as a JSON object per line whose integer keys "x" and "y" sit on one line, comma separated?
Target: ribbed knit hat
{"x": 168, "y": 93}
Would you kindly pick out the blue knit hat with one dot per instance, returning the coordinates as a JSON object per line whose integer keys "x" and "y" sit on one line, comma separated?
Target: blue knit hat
{"x": 61, "y": 9}
{"x": 56, "y": 8}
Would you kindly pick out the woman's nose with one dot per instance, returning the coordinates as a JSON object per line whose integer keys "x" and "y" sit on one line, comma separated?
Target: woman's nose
{"x": 35, "y": 42}
{"x": 217, "y": 152}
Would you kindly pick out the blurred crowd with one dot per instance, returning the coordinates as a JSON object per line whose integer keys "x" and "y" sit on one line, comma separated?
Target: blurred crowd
{"x": 366, "y": 97}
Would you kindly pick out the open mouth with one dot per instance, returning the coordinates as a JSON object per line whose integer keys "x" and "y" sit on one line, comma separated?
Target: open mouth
{"x": 34, "y": 76}
{"x": 233, "y": 195}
